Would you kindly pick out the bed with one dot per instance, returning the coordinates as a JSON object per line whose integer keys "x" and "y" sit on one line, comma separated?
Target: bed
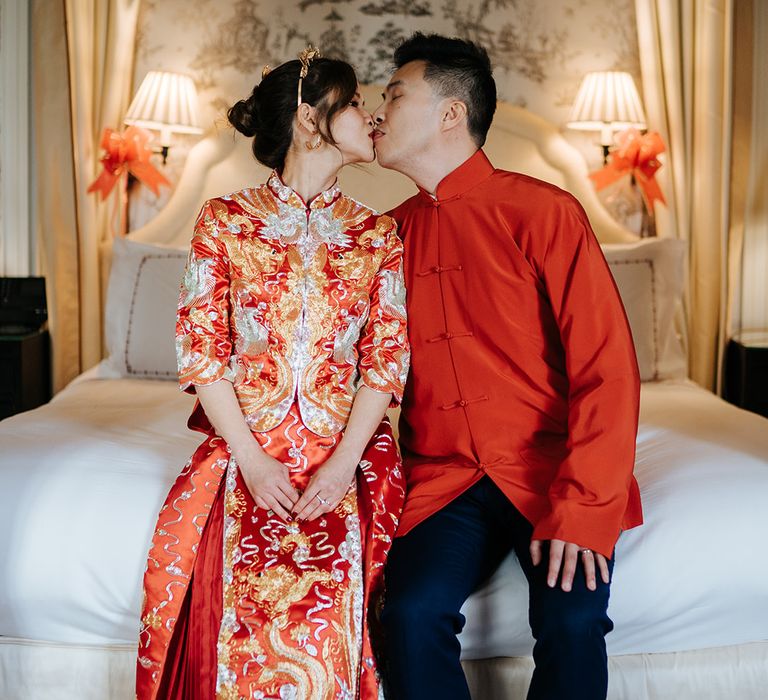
{"x": 84, "y": 476}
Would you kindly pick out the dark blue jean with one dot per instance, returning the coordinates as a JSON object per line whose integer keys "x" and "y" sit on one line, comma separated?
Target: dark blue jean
{"x": 433, "y": 569}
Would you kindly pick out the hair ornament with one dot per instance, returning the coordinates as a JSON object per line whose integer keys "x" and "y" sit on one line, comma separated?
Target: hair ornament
{"x": 265, "y": 71}
{"x": 306, "y": 57}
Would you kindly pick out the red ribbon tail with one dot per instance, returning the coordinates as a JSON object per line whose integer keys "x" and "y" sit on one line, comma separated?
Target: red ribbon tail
{"x": 150, "y": 176}
{"x": 606, "y": 175}
{"x": 103, "y": 183}
{"x": 650, "y": 190}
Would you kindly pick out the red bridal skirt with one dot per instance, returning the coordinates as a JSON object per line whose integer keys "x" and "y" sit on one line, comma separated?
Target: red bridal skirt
{"x": 240, "y": 604}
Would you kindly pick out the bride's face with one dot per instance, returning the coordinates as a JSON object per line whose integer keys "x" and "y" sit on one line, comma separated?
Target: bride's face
{"x": 352, "y": 129}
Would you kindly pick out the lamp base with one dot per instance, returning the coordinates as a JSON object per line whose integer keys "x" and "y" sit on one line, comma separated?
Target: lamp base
{"x": 647, "y": 222}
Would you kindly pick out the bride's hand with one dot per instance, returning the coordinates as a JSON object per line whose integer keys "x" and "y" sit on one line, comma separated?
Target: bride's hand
{"x": 268, "y": 481}
{"x": 326, "y": 488}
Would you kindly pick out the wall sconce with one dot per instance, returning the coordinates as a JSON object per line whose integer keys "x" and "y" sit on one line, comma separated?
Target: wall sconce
{"x": 166, "y": 102}
{"x": 607, "y": 101}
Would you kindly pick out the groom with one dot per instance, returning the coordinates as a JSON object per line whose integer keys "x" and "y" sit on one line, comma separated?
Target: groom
{"x": 520, "y": 414}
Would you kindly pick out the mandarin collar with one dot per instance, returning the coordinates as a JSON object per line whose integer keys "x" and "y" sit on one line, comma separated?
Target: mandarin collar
{"x": 471, "y": 172}
{"x": 292, "y": 198}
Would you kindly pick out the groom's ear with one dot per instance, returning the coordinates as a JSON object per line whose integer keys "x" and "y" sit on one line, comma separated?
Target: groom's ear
{"x": 454, "y": 114}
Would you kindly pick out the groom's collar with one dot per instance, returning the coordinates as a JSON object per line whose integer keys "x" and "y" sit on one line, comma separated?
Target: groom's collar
{"x": 470, "y": 173}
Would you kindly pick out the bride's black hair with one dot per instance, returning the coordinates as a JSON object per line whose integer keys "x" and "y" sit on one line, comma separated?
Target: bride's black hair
{"x": 267, "y": 113}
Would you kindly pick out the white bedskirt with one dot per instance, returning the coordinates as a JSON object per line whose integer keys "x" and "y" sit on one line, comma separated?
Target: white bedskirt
{"x": 47, "y": 671}
{"x": 722, "y": 673}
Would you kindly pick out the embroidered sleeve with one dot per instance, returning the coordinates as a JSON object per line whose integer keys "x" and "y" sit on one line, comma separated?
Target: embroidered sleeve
{"x": 203, "y": 343}
{"x": 384, "y": 350}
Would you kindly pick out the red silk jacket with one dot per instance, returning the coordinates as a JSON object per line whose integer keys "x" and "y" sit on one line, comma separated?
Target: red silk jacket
{"x": 522, "y": 365}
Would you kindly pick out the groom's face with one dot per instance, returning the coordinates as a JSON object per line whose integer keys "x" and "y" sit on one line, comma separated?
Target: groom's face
{"x": 408, "y": 119}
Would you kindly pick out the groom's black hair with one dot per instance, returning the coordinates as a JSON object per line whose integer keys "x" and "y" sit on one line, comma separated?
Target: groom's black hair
{"x": 455, "y": 68}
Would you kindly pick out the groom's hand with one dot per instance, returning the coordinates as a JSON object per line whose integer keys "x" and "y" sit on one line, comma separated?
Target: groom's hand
{"x": 566, "y": 555}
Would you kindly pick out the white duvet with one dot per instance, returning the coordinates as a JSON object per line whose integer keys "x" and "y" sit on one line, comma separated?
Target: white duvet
{"x": 83, "y": 477}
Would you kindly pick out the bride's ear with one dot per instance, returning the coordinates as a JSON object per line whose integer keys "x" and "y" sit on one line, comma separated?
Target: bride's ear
{"x": 306, "y": 118}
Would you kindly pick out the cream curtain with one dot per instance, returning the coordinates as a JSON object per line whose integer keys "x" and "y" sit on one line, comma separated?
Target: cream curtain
{"x": 82, "y": 72}
{"x": 686, "y": 60}
{"x": 751, "y": 194}
{"x": 53, "y": 188}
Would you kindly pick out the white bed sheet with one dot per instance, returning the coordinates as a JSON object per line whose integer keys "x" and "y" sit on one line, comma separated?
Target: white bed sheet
{"x": 84, "y": 477}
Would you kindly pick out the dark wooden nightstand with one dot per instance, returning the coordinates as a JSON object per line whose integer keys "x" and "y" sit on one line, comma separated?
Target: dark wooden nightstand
{"x": 746, "y": 371}
{"x": 25, "y": 375}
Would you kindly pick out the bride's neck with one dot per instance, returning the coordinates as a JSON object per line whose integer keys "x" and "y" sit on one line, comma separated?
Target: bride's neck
{"x": 309, "y": 173}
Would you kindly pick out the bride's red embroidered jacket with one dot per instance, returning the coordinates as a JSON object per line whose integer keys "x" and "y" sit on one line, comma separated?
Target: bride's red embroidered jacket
{"x": 293, "y": 302}
{"x": 523, "y": 366}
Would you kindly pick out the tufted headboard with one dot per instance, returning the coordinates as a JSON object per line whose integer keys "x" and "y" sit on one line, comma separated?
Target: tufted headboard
{"x": 222, "y": 162}
{"x": 648, "y": 272}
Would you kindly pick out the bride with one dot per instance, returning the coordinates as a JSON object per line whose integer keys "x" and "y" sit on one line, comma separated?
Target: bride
{"x": 267, "y": 559}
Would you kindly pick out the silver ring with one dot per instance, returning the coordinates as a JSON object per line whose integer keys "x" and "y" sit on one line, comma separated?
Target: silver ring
{"x": 321, "y": 499}
{"x": 585, "y": 551}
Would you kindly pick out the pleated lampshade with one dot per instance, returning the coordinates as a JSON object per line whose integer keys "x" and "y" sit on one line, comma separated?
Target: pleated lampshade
{"x": 607, "y": 101}
{"x": 165, "y": 101}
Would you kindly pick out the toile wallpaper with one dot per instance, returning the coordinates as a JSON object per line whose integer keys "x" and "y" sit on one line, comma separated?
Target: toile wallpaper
{"x": 540, "y": 49}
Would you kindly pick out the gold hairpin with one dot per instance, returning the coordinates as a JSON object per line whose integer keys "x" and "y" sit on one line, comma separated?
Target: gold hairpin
{"x": 265, "y": 71}
{"x": 306, "y": 57}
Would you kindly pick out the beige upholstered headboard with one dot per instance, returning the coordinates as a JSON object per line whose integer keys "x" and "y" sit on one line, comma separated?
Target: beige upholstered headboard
{"x": 222, "y": 162}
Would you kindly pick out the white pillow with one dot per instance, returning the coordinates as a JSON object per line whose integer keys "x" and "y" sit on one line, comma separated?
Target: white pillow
{"x": 143, "y": 294}
{"x": 140, "y": 318}
{"x": 650, "y": 275}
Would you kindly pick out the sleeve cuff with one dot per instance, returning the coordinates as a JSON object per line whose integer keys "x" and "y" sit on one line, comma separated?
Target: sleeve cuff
{"x": 383, "y": 387}
{"x": 188, "y": 384}
{"x": 580, "y": 525}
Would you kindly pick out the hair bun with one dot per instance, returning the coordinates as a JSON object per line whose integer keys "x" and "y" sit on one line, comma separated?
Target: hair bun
{"x": 244, "y": 115}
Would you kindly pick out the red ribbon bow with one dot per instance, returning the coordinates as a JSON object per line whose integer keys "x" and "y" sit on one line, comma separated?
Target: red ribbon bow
{"x": 127, "y": 152}
{"x": 635, "y": 153}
